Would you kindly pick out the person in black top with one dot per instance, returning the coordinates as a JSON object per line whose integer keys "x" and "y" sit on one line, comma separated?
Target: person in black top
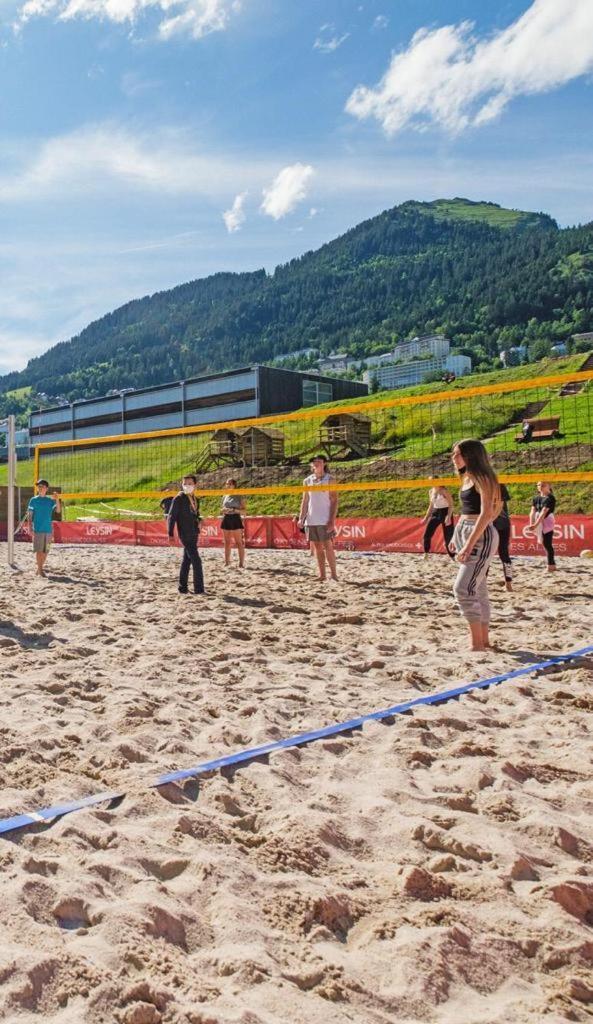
{"x": 185, "y": 515}
{"x": 541, "y": 520}
{"x": 503, "y": 525}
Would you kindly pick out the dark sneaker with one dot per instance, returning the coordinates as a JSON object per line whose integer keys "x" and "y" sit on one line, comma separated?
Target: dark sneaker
{"x": 183, "y": 590}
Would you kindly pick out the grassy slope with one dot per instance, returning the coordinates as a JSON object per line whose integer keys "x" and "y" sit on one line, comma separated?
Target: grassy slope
{"x": 148, "y": 467}
{"x": 466, "y": 210}
{"x": 19, "y": 392}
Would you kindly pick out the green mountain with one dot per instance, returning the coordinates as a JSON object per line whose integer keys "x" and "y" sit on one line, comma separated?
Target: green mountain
{"x": 488, "y": 277}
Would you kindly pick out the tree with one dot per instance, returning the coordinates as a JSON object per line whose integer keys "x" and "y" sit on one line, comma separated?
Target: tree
{"x": 539, "y": 349}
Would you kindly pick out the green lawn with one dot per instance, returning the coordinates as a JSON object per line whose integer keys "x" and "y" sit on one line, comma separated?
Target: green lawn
{"x": 19, "y": 392}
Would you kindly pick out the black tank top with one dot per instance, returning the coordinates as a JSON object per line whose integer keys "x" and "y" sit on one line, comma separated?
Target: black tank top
{"x": 471, "y": 501}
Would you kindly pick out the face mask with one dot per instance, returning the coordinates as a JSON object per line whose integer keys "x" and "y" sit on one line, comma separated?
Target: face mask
{"x": 189, "y": 488}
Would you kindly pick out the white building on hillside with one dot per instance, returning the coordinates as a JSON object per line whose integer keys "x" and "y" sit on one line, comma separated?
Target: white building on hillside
{"x": 403, "y": 375}
{"x": 435, "y": 345}
{"x": 427, "y": 344}
{"x": 335, "y": 361}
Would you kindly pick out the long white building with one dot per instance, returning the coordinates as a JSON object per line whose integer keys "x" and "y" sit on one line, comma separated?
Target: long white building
{"x": 403, "y": 375}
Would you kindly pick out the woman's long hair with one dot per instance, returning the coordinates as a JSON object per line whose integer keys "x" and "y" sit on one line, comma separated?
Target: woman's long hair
{"x": 480, "y": 469}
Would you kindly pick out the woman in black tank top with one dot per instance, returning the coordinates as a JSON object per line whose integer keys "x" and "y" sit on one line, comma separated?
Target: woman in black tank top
{"x": 471, "y": 502}
{"x": 475, "y": 539}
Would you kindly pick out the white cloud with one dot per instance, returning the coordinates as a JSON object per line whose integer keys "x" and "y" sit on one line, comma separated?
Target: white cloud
{"x": 450, "y": 78}
{"x": 288, "y": 188}
{"x": 327, "y": 41}
{"x": 380, "y": 22}
{"x": 195, "y": 18}
{"x": 235, "y": 217}
{"x": 90, "y": 160}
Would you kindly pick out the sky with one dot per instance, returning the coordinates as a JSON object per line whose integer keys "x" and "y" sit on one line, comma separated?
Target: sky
{"x": 145, "y": 143}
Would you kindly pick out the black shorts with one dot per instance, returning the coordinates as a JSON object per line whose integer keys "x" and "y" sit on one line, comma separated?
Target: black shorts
{"x": 231, "y": 521}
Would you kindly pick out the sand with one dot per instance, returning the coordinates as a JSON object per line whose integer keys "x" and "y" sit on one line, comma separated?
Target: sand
{"x": 438, "y": 869}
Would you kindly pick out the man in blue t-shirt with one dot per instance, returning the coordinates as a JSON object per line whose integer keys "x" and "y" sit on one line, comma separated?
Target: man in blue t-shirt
{"x": 40, "y": 513}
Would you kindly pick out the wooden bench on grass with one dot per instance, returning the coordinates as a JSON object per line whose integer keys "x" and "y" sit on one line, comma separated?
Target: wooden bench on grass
{"x": 541, "y": 429}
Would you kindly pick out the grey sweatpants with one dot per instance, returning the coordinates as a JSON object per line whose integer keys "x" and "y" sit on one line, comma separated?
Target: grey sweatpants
{"x": 471, "y": 585}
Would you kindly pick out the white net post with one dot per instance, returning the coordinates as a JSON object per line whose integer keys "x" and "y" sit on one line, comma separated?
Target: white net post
{"x": 11, "y": 496}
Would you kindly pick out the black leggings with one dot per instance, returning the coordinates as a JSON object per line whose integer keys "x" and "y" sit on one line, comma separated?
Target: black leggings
{"x": 191, "y": 557}
{"x": 437, "y": 519}
{"x": 548, "y": 542}
{"x": 504, "y": 537}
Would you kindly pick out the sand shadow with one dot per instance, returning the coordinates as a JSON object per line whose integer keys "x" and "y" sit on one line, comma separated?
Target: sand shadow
{"x": 250, "y": 602}
{"x": 229, "y": 771}
{"x": 534, "y": 658}
{"x": 55, "y": 578}
{"x": 28, "y": 641}
{"x": 175, "y": 793}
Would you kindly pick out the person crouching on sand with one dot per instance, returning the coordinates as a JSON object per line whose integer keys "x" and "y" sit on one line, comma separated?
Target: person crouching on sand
{"x": 185, "y": 515}
{"x": 475, "y": 540}
{"x": 40, "y": 512}
{"x": 318, "y": 516}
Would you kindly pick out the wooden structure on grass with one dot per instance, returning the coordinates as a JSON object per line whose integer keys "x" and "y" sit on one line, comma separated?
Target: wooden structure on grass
{"x": 540, "y": 429}
{"x": 343, "y": 434}
{"x": 261, "y": 446}
{"x": 223, "y": 449}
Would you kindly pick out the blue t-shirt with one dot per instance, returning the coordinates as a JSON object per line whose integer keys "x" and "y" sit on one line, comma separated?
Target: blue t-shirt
{"x": 42, "y": 508}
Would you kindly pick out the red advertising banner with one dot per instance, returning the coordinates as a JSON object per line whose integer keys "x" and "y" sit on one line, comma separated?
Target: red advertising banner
{"x": 100, "y": 532}
{"x": 258, "y": 532}
{"x": 152, "y": 534}
{"x": 572, "y": 534}
{"x": 286, "y": 534}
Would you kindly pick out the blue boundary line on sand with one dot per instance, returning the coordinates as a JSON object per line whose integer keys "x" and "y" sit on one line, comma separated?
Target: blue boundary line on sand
{"x": 46, "y": 814}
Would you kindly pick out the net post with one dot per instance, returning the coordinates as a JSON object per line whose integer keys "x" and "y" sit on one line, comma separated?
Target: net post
{"x": 11, "y": 445}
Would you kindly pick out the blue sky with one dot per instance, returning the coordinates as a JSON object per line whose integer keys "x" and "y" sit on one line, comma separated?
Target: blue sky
{"x": 145, "y": 143}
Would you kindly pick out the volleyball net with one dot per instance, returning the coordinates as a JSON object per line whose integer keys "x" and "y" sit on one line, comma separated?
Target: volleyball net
{"x": 532, "y": 428}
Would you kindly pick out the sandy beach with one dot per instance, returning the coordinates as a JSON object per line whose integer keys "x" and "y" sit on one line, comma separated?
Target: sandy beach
{"x": 438, "y": 869}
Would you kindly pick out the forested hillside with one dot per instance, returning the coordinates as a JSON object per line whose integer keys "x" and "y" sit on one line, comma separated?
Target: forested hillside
{"x": 489, "y": 278}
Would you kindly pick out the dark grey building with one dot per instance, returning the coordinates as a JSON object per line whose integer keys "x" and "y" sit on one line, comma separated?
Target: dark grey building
{"x": 235, "y": 394}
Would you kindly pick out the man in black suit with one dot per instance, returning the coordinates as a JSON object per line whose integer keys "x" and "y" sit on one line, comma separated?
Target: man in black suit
{"x": 185, "y": 514}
